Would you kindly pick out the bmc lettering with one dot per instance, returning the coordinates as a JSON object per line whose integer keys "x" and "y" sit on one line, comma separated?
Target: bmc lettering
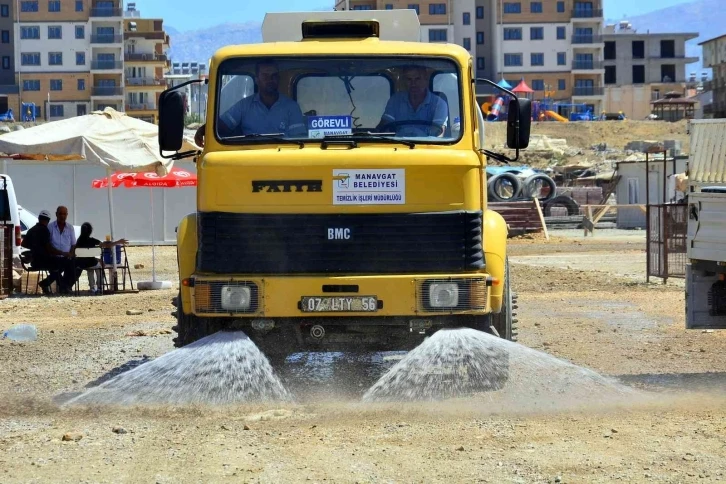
{"x": 338, "y": 234}
{"x": 286, "y": 186}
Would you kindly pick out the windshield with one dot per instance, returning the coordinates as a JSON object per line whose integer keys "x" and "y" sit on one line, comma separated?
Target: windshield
{"x": 416, "y": 99}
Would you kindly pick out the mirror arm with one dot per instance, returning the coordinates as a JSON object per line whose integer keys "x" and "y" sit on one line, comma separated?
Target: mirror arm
{"x": 498, "y": 156}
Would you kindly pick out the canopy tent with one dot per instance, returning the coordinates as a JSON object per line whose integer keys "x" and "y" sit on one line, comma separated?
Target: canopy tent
{"x": 108, "y": 137}
{"x": 503, "y": 83}
{"x": 522, "y": 87}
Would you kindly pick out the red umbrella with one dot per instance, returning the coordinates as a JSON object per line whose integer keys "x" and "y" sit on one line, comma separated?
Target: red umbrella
{"x": 175, "y": 179}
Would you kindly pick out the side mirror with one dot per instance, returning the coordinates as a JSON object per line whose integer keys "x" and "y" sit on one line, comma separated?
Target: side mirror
{"x": 520, "y": 114}
{"x": 171, "y": 121}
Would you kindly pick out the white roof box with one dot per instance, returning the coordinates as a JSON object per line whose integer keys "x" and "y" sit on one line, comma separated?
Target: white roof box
{"x": 400, "y": 25}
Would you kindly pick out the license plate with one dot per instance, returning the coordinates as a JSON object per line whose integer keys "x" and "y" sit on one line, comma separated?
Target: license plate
{"x": 339, "y": 304}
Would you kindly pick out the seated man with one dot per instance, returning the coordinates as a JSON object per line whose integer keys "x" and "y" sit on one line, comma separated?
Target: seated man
{"x": 267, "y": 112}
{"x": 43, "y": 255}
{"x": 63, "y": 239}
{"x": 428, "y": 113}
{"x": 91, "y": 264}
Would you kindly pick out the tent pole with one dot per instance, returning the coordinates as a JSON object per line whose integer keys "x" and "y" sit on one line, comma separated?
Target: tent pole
{"x": 153, "y": 251}
{"x": 110, "y": 214}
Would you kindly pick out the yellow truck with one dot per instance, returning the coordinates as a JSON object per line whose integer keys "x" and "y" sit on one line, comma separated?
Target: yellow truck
{"x": 341, "y": 199}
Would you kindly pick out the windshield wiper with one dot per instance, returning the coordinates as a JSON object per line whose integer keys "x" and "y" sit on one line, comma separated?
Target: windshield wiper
{"x": 379, "y": 136}
{"x": 278, "y": 137}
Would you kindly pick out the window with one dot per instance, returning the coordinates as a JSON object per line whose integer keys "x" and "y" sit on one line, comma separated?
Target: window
{"x": 55, "y": 58}
{"x": 55, "y": 32}
{"x": 437, "y": 9}
{"x": 537, "y": 59}
{"x": 80, "y": 58}
{"x": 667, "y": 49}
{"x": 414, "y": 6}
{"x": 480, "y": 38}
{"x": 668, "y": 73}
{"x": 467, "y": 43}
{"x": 480, "y": 12}
{"x": 31, "y": 85}
{"x": 562, "y": 58}
{"x": 480, "y": 63}
{"x": 638, "y": 49}
{"x": 535, "y": 7}
{"x": 639, "y": 74}
{"x": 536, "y": 33}
{"x": 30, "y": 58}
{"x": 79, "y": 5}
{"x": 584, "y": 61}
{"x": 610, "y": 51}
{"x": 6, "y": 62}
{"x": 362, "y": 7}
{"x": 561, "y": 84}
{"x": 561, "y": 33}
{"x": 5, "y": 36}
{"x": 512, "y": 7}
{"x": 512, "y": 33}
{"x": 80, "y": 32}
{"x": 54, "y": 6}
{"x": 38, "y": 112}
{"x": 538, "y": 84}
{"x": 56, "y": 110}
{"x": 512, "y": 60}
{"x": 437, "y": 35}
{"x": 466, "y": 18}
{"x": 389, "y": 6}
{"x": 610, "y": 75}
{"x": 81, "y": 84}
{"x": 29, "y": 6}
{"x": 32, "y": 32}
{"x": 4, "y": 11}
{"x": 56, "y": 84}
{"x": 80, "y": 109}
{"x": 560, "y": 7}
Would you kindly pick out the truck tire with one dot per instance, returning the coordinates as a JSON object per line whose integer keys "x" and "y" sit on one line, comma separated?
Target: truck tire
{"x": 496, "y": 182}
{"x": 530, "y": 187}
{"x": 190, "y": 328}
{"x": 505, "y": 322}
{"x": 573, "y": 208}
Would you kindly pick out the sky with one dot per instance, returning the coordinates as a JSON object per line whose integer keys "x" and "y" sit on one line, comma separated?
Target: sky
{"x": 199, "y": 14}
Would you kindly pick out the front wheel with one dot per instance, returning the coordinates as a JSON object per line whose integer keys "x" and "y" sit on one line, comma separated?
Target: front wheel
{"x": 505, "y": 322}
{"x": 190, "y": 328}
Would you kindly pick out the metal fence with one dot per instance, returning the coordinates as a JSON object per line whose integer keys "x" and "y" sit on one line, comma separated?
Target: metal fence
{"x": 666, "y": 240}
{"x": 6, "y": 260}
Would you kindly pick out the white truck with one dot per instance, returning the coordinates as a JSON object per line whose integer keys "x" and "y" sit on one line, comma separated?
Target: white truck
{"x": 706, "y": 249}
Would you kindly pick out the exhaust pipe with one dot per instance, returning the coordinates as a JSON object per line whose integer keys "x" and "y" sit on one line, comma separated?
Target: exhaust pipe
{"x": 317, "y": 331}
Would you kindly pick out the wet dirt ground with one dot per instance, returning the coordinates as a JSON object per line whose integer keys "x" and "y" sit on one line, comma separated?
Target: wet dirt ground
{"x": 582, "y": 300}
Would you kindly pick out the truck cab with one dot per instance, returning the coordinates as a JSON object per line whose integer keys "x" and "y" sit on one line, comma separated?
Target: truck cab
{"x": 341, "y": 199}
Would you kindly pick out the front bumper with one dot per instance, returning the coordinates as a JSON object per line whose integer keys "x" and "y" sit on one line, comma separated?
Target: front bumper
{"x": 282, "y": 297}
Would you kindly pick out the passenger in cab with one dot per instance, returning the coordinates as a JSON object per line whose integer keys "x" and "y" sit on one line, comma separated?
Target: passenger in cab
{"x": 266, "y": 112}
{"x": 417, "y": 111}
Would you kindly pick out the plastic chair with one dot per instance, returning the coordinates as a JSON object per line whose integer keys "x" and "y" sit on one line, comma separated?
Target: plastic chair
{"x": 106, "y": 284}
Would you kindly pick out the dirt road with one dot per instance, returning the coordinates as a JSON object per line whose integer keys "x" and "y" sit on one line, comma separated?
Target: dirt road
{"x": 599, "y": 316}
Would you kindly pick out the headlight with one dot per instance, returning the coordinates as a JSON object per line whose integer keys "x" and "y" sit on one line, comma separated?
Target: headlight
{"x": 236, "y": 297}
{"x": 444, "y": 295}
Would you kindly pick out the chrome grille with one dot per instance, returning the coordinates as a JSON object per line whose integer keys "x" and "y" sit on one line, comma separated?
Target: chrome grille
{"x": 473, "y": 294}
{"x": 208, "y": 297}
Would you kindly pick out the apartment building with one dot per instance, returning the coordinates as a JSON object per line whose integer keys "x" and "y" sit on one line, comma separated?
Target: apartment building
{"x": 146, "y": 45}
{"x": 714, "y": 57}
{"x": 643, "y": 67}
{"x": 68, "y": 56}
{"x": 8, "y": 87}
{"x": 196, "y": 94}
{"x": 555, "y": 46}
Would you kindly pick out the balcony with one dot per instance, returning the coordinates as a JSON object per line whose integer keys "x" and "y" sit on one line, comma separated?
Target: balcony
{"x": 106, "y": 39}
{"x": 587, "y": 39}
{"x": 587, "y": 13}
{"x": 141, "y": 107}
{"x": 146, "y": 35}
{"x": 106, "y": 12}
{"x": 145, "y": 57}
{"x": 587, "y": 65}
{"x": 587, "y": 91}
{"x": 106, "y": 91}
{"x": 102, "y": 65}
{"x": 145, "y": 81}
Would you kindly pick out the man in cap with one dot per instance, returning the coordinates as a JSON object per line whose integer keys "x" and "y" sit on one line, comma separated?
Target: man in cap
{"x": 43, "y": 255}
